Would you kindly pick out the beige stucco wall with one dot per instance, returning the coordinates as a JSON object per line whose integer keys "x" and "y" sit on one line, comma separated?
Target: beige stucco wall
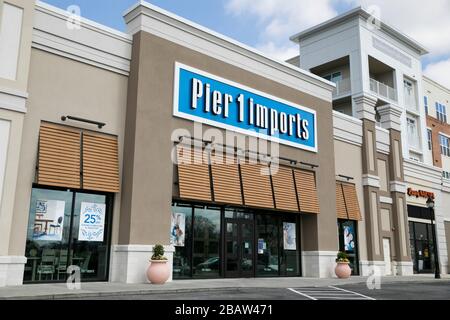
{"x": 348, "y": 162}
{"x": 59, "y": 86}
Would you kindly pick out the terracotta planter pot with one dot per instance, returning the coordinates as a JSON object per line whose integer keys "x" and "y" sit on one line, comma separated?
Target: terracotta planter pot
{"x": 158, "y": 272}
{"x": 343, "y": 270}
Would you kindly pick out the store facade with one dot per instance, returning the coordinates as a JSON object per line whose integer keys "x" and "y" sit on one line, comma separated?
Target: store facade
{"x": 245, "y": 140}
{"x": 171, "y": 134}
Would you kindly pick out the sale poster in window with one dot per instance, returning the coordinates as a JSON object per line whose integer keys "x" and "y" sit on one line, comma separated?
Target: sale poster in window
{"x": 49, "y": 220}
{"x": 92, "y": 222}
{"x": 289, "y": 236}
{"x": 177, "y": 229}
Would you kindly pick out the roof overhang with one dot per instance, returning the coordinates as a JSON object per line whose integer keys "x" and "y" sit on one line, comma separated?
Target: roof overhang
{"x": 365, "y": 15}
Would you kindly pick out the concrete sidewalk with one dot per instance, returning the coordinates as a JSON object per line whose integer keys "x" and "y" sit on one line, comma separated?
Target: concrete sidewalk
{"x": 60, "y": 290}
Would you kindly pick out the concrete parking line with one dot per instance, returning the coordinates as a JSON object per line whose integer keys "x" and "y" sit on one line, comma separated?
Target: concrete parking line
{"x": 348, "y": 291}
{"x": 329, "y": 293}
{"x": 302, "y": 294}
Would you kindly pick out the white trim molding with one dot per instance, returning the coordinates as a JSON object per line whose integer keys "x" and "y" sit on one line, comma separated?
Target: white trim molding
{"x": 347, "y": 129}
{"x": 365, "y": 106}
{"x": 367, "y": 268}
{"x": 383, "y": 141}
{"x": 13, "y": 100}
{"x": 391, "y": 117}
{"x": 422, "y": 172}
{"x": 11, "y": 270}
{"x": 319, "y": 264}
{"x": 89, "y": 42}
{"x": 371, "y": 181}
{"x": 151, "y": 19}
{"x": 398, "y": 186}
{"x": 130, "y": 262}
{"x": 386, "y": 200}
{"x": 402, "y": 268}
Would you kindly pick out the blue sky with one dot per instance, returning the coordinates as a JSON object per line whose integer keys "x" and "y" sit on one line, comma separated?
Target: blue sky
{"x": 267, "y": 24}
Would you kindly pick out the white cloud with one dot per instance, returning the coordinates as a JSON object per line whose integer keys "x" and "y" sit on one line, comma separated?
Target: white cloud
{"x": 277, "y": 51}
{"x": 279, "y": 19}
{"x": 428, "y": 23}
{"x": 439, "y": 72}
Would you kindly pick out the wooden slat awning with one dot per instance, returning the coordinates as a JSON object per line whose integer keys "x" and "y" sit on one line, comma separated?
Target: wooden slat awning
{"x": 347, "y": 205}
{"x": 341, "y": 210}
{"x": 284, "y": 188}
{"x": 59, "y": 156}
{"x": 226, "y": 178}
{"x": 76, "y": 158}
{"x": 351, "y": 201}
{"x": 256, "y": 184}
{"x": 307, "y": 191}
{"x": 100, "y": 162}
{"x": 193, "y": 173}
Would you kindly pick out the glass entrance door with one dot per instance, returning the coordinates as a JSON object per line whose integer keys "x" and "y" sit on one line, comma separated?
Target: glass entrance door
{"x": 65, "y": 229}
{"x": 239, "y": 245}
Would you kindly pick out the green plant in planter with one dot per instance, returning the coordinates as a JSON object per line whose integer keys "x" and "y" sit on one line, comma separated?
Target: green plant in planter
{"x": 342, "y": 257}
{"x": 158, "y": 253}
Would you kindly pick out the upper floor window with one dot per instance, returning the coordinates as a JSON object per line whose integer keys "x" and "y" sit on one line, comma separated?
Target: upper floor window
{"x": 441, "y": 112}
{"x": 445, "y": 145}
{"x": 430, "y": 139}
{"x": 413, "y": 136}
{"x": 425, "y": 101}
{"x": 333, "y": 77}
{"x": 445, "y": 174}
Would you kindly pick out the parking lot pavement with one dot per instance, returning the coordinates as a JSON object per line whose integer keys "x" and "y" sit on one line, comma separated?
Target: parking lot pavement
{"x": 329, "y": 293}
{"x": 429, "y": 290}
{"x": 390, "y": 291}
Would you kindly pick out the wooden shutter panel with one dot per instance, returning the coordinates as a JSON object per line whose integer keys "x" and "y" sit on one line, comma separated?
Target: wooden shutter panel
{"x": 226, "y": 179}
{"x": 59, "y": 156}
{"x": 257, "y": 186}
{"x": 307, "y": 191}
{"x": 341, "y": 209}
{"x": 193, "y": 173}
{"x": 284, "y": 189}
{"x": 100, "y": 162}
{"x": 351, "y": 201}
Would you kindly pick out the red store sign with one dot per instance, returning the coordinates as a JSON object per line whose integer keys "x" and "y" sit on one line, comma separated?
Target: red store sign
{"x": 420, "y": 193}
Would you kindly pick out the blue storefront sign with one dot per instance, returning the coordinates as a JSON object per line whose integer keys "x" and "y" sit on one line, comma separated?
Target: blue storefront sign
{"x": 208, "y": 99}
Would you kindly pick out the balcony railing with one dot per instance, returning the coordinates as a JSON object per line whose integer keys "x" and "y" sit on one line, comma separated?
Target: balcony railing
{"x": 343, "y": 87}
{"x": 383, "y": 90}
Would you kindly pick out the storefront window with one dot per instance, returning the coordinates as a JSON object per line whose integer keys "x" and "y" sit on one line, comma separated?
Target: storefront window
{"x": 422, "y": 249}
{"x": 182, "y": 214}
{"x": 348, "y": 242}
{"x": 89, "y": 241}
{"x": 206, "y": 256}
{"x": 289, "y": 264}
{"x": 226, "y": 242}
{"x": 64, "y": 229}
{"x": 268, "y": 245}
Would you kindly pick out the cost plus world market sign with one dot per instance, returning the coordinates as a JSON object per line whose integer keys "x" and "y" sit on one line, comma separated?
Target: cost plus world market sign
{"x": 208, "y": 99}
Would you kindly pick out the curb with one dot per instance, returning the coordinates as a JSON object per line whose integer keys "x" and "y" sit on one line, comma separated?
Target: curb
{"x": 141, "y": 292}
